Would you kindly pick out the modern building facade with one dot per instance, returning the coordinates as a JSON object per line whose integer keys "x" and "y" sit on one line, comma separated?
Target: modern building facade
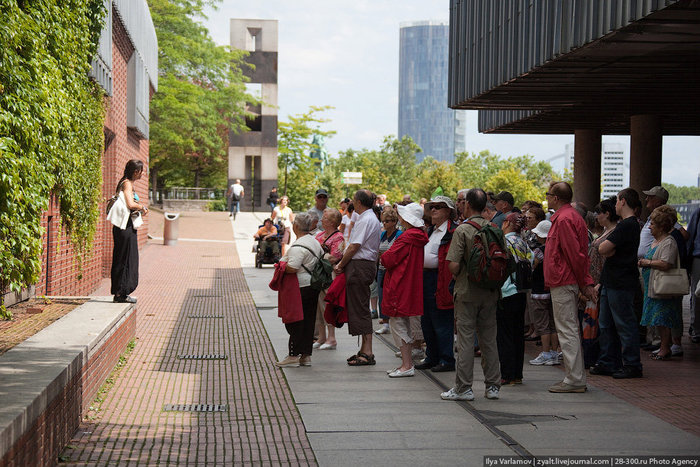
{"x": 252, "y": 155}
{"x": 614, "y": 168}
{"x": 583, "y": 67}
{"x": 423, "y": 111}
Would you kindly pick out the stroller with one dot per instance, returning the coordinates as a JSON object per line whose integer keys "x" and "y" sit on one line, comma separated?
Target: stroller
{"x": 268, "y": 255}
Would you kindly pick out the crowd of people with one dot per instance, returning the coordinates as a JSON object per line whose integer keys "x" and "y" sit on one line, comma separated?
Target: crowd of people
{"x": 594, "y": 288}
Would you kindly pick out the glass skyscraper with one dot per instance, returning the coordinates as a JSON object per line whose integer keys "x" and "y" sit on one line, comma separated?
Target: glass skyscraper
{"x": 423, "y": 111}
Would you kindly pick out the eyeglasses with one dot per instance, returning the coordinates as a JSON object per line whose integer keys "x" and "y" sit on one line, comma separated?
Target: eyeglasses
{"x": 389, "y": 221}
{"x": 321, "y": 196}
{"x": 441, "y": 206}
{"x": 549, "y": 194}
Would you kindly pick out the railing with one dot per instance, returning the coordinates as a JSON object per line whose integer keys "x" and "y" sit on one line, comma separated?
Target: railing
{"x": 193, "y": 193}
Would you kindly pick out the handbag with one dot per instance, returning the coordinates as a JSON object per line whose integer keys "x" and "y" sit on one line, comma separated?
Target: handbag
{"x": 671, "y": 283}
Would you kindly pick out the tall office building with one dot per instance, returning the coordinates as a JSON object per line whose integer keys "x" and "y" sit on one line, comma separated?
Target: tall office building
{"x": 614, "y": 170}
{"x": 423, "y": 112}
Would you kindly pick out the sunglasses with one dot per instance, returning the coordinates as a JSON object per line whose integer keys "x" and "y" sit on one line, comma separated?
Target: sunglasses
{"x": 441, "y": 206}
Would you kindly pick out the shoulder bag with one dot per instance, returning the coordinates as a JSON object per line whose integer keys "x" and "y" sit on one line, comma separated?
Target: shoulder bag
{"x": 671, "y": 283}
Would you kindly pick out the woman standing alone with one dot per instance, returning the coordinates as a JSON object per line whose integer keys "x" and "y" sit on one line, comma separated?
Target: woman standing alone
{"x": 125, "y": 256}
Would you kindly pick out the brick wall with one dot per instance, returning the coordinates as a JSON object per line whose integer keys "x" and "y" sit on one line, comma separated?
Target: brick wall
{"x": 60, "y": 272}
{"x": 53, "y": 429}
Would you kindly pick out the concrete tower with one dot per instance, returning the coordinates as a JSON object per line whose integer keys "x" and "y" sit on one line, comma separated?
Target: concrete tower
{"x": 252, "y": 155}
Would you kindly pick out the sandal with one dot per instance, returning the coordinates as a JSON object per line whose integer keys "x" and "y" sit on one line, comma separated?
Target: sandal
{"x": 361, "y": 359}
{"x": 657, "y": 356}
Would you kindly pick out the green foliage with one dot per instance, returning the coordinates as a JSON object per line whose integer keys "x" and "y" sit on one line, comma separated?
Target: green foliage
{"x": 298, "y": 174}
{"x": 218, "y": 205}
{"x": 681, "y": 194}
{"x": 436, "y": 174}
{"x": 51, "y": 121}
{"x": 201, "y": 96}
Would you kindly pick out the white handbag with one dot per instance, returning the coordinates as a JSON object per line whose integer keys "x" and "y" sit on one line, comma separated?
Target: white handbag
{"x": 671, "y": 283}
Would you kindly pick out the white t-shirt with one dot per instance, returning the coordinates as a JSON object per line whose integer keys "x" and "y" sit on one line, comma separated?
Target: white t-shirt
{"x": 297, "y": 256}
{"x": 282, "y": 215}
{"x": 367, "y": 233}
{"x": 237, "y": 189}
{"x": 430, "y": 250}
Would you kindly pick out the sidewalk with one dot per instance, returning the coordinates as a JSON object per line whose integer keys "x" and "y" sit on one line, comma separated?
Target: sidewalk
{"x": 204, "y": 297}
{"x": 193, "y": 300}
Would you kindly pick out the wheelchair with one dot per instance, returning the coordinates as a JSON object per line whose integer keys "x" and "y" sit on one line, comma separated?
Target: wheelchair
{"x": 268, "y": 255}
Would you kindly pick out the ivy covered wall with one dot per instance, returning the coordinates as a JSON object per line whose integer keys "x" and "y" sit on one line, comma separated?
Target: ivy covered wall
{"x": 51, "y": 128}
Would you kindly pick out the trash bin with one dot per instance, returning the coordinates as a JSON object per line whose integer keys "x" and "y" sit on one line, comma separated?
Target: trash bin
{"x": 170, "y": 228}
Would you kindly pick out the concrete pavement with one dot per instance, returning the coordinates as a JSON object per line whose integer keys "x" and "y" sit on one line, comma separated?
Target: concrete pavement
{"x": 205, "y": 297}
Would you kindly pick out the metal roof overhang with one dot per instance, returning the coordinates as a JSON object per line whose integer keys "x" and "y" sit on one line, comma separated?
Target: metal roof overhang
{"x": 651, "y": 66}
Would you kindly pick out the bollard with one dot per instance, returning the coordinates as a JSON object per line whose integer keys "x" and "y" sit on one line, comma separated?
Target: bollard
{"x": 170, "y": 228}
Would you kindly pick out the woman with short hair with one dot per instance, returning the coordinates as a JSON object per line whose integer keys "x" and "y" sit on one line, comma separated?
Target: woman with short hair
{"x": 301, "y": 258}
{"x": 664, "y": 313}
{"x": 333, "y": 245}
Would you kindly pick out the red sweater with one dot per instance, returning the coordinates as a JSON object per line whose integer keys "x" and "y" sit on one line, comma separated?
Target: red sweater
{"x": 566, "y": 259}
{"x": 289, "y": 306}
{"x": 403, "y": 282}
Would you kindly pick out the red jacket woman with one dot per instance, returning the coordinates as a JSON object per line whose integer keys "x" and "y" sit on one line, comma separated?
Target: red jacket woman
{"x": 403, "y": 282}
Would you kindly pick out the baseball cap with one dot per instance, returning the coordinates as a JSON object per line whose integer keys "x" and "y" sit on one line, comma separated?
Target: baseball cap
{"x": 321, "y": 191}
{"x": 505, "y": 196}
{"x": 658, "y": 191}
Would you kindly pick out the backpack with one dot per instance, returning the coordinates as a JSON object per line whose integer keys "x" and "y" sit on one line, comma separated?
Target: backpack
{"x": 489, "y": 263}
{"x": 321, "y": 273}
{"x": 522, "y": 277}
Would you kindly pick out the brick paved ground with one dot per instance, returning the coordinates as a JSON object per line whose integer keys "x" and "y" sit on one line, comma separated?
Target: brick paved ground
{"x": 262, "y": 424}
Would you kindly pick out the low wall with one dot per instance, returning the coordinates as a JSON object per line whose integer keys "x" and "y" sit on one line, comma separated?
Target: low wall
{"x": 179, "y": 205}
{"x": 48, "y": 381}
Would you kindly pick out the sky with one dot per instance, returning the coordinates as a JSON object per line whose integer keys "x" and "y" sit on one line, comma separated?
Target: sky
{"x": 346, "y": 54}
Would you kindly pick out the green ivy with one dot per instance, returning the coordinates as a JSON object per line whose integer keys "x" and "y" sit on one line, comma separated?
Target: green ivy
{"x": 51, "y": 128}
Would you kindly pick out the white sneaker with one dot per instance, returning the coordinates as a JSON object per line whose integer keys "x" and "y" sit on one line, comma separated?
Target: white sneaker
{"x": 554, "y": 359}
{"x": 402, "y": 374}
{"x": 417, "y": 353}
{"x": 316, "y": 345}
{"x": 453, "y": 395}
{"x": 383, "y": 330}
{"x": 491, "y": 392}
{"x": 542, "y": 359}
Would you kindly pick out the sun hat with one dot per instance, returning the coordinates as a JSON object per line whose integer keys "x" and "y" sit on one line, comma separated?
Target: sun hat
{"x": 412, "y": 213}
{"x": 443, "y": 199}
{"x": 542, "y": 229}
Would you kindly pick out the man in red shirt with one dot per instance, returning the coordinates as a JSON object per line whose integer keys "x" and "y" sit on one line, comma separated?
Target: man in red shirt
{"x": 566, "y": 272}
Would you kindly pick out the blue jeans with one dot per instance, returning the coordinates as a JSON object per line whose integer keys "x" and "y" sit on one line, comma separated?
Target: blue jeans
{"x": 380, "y": 291}
{"x": 235, "y": 207}
{"x": 619, "y": 333}
{"x": 437, "y": 325}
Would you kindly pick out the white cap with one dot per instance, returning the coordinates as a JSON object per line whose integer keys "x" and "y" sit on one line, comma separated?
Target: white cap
{"x": 412, "y": 213}
{"x": 542, "y": 229}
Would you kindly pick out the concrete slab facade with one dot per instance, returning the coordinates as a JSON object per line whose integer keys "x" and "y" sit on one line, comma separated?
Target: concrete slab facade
{"x": 252, "y": 154}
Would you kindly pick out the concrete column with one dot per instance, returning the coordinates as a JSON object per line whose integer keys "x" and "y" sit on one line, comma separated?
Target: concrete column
{"x": 645, "y": 152}
{"x": 587, "y": 150}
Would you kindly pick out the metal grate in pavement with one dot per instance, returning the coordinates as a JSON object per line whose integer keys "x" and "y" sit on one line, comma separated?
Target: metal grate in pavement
{"x": 211, "y": 356}
{"x": 205, "y": 316}
{"x": 195, "y": 407}
{"x": 207, "y": 296}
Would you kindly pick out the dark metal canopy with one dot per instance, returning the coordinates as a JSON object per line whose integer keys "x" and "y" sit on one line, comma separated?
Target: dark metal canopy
{"x": 650, "y": 64}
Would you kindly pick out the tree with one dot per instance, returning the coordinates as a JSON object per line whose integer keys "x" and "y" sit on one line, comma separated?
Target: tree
{"x": 516, "y": 183}
{"x": 298, "y": 173}
{"x": 681, "y": 194}
{"x": 435, "y": 174}
{"x": 201, "y": 96}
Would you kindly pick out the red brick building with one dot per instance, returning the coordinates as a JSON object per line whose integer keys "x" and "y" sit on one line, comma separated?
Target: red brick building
{"x": 126, "y": 66}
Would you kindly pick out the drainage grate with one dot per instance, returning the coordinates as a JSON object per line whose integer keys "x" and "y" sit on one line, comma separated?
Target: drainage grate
{"x": 195, "y": 408}
{"x": 207, "y": 296}
{"x": 211, "y": 356}
{"x": 205, "y": 316}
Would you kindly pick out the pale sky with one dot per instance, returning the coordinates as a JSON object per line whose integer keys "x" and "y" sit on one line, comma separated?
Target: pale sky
{"x": 346, "y": 54}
